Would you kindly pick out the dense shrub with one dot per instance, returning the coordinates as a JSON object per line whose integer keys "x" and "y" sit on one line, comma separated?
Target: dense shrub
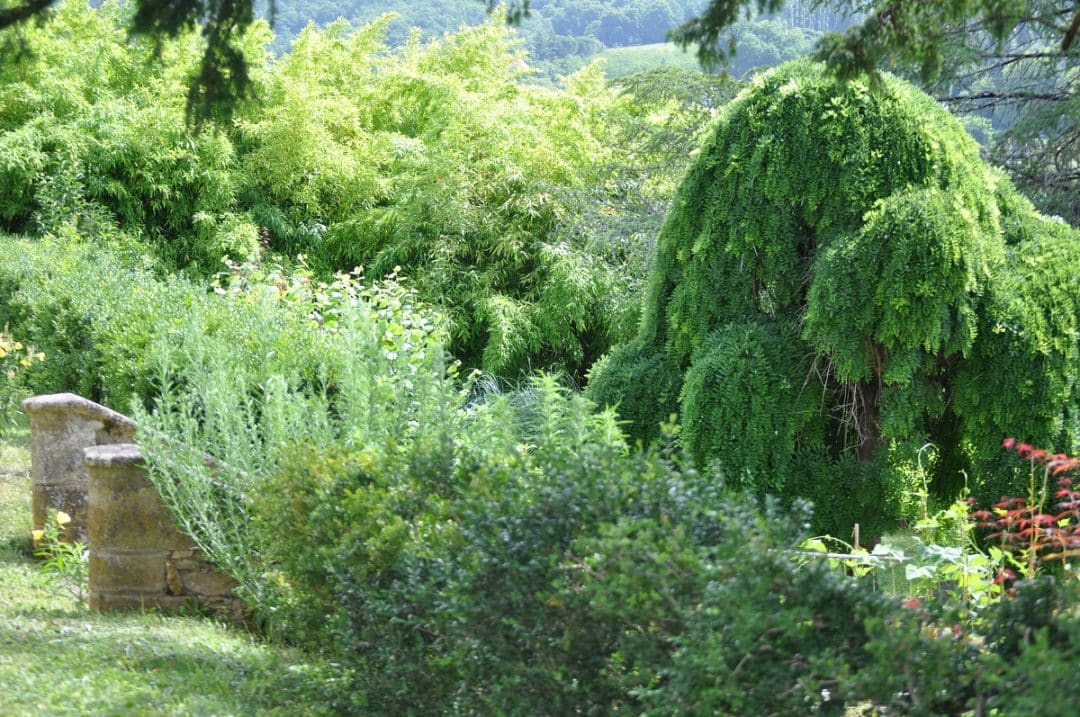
{"x": 116, "y": 330}
{"x": 526, "y": 558}
{"x": 438, "y": 158}
{"x": 93, "y": 133}
{"x": 520, "y": 561}
{"x": 838, "y": 276}
{"x": 91, "y": 309}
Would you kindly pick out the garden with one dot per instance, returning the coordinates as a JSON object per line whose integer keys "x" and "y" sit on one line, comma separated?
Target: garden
{"x": 668, "y": 395}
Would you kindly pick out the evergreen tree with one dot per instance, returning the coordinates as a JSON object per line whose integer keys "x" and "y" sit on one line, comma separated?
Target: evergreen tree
{"x": 840, "y": 281}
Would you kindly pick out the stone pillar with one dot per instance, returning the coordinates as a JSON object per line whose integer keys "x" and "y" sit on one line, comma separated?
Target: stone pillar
{"x": 61, "y": 426}
{"x": 138, "y": 558}
{"x": 131, "y": 532}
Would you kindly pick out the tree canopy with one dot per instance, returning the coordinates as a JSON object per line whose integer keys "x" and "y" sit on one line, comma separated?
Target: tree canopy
{"x": 908, "y": 30}
{"x": 840, "y": 281}
{"x": 522, "y": 211}
{"x": 911, "y": 30}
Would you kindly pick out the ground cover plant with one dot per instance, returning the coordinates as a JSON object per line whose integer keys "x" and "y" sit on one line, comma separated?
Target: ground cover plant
{"x": 838, "y": 275}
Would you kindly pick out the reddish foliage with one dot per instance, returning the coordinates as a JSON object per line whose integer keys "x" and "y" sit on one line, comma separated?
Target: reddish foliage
{"x": 1036, "y": 533}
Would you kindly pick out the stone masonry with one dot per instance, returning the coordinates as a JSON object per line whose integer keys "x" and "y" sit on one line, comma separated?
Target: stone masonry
{"x": 61, "y": 426}
{"x": 84, "y": 462}
{"x": 138, "y": 558}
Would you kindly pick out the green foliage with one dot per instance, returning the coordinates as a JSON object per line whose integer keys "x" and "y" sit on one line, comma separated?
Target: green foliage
{"x": 475, "y": 573}
{"x": 95, "y": 136}
{"x": 951, "y": 671}
{"x": 890, "y": 29}
{"x": 763, "y": 43}
{"x": 436, "y": 158}
{"x": 270, "y": 362}
{"x": 92, "y": 309}
{"x": 389, "y": 553}
{"x": 909, "y": 279}
{"x": 15, "y": 358}
{"x": 663, "y": 115}
{"x": 647, "y": 385}
{"x": 837, "y": 277}
{"x": 739, "y": 389}
{"x": 530, "y": 559}
{"x": 1028, "y": 332}
{"x": 64, "y": 558}
{"x": 845, "y": 490}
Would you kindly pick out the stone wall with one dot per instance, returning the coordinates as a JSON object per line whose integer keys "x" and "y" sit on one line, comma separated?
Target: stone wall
{"x": 84, "y": 462}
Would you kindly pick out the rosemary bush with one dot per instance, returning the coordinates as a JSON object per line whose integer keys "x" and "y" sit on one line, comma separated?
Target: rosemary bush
{"x": 270, "y": 363}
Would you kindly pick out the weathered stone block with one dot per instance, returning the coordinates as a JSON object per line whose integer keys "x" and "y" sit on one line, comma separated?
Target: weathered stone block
{"x": 127, "y": 571}
{"x": 186, "y": 563}
{"x": 137, "y": 556}
{"x": 83, "y": 462}
{"x": 173, "y": 581}
{"x": 207, "y": 582}
{"x": 61, "y": 425}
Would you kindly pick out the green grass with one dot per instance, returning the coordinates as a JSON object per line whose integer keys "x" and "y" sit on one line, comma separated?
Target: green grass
{"x": 57, "y": 658}
{"x": 623, "y": 61}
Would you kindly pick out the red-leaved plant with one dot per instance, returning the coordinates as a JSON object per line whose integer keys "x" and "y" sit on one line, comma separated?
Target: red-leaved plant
{"x": 1040, "y": 527}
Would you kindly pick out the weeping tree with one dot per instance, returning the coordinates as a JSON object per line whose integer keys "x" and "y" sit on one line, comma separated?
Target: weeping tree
{"x": 841, "y": 281}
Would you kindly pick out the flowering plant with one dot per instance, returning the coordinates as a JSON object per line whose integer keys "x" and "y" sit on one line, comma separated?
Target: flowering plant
{"x": 14, "y": 357}
{"x": 65, "y": 558}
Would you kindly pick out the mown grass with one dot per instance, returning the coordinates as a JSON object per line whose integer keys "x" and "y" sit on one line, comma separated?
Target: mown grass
{"x": 624, "y": 61}
{"x": 57, "y": 658}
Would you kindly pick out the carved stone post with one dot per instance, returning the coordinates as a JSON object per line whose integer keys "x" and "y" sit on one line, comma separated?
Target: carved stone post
{"x": 138, "y": 558}
{"x": 61, "y": 426}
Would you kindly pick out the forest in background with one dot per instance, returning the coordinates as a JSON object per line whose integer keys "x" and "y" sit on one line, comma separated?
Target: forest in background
{"x": 1018, "y": 97}
{"x": 563, "y": 35}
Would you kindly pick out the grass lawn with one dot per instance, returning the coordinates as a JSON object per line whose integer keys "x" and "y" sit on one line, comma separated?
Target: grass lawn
{"x": 57, "y": 658}
{"x": 623, "y": 61}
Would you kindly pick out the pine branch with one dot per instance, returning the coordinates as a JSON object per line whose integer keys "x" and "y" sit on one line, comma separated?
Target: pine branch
{"x": 10, "y": 16}
{"x": 1007, "y": 97}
